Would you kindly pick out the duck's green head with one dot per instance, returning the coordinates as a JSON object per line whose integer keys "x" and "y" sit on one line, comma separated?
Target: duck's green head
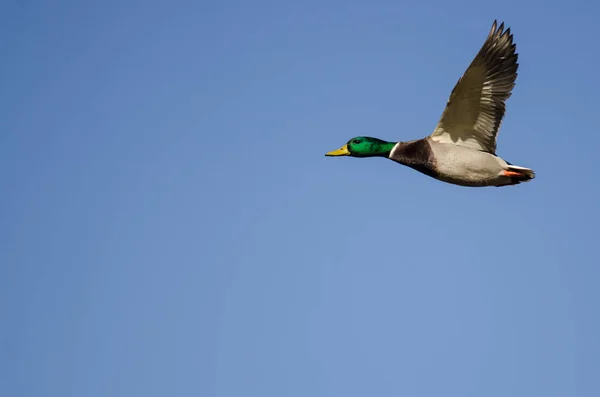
{"x": 364, "y": 146}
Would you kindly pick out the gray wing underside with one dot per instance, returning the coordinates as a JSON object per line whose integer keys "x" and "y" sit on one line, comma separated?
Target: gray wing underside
{"x": 477, "y": 104}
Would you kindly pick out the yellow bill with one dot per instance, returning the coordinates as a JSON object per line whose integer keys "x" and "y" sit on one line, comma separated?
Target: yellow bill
{"x": 343, "y": 151}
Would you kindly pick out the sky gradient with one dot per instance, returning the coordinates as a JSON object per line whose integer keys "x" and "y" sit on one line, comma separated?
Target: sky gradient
{"x": 170, "y": 225}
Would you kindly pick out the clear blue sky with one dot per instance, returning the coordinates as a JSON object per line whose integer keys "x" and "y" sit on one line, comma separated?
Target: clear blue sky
{"x": 171, "y": 227}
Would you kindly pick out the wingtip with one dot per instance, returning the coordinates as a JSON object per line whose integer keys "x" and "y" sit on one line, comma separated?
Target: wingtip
{"x": 499, "y": 30}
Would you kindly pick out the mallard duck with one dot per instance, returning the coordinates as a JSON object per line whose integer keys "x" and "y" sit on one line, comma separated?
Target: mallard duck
{"x": 462, "y": 148}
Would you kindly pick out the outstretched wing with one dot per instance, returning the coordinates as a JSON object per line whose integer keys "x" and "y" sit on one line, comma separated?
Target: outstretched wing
{"x": 476, "y": 105}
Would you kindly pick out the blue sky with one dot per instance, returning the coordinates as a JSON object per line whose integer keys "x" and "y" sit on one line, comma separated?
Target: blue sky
{"x": 171, "y": 227}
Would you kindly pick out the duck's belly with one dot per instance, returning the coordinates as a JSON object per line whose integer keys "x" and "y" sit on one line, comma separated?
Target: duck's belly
{"x": 467, "y": 167}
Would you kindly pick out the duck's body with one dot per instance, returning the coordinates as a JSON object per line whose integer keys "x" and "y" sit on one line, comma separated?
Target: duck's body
{"x": 457, "y": 165}
{"x": 462, "y": 148}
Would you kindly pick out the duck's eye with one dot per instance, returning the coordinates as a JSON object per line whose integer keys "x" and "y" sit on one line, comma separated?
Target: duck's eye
{"x": 356, "y": 141}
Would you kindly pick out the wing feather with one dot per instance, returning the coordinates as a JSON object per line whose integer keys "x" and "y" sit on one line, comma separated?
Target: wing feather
{"x": 477, "y": 104}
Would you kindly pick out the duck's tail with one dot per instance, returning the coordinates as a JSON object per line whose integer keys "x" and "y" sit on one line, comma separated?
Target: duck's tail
{"x": 519, "y": 174}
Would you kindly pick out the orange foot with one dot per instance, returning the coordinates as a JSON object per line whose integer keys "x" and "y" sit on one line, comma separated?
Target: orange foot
{"x": 512, "y": 173}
